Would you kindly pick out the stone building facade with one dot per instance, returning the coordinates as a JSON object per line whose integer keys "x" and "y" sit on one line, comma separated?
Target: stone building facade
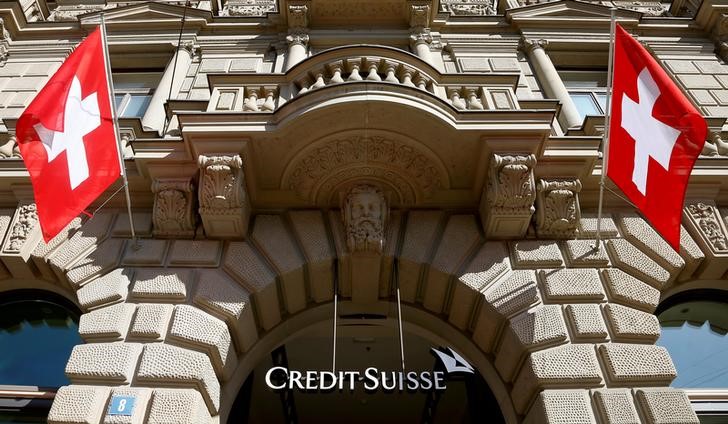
{"x": 281, "y": 152}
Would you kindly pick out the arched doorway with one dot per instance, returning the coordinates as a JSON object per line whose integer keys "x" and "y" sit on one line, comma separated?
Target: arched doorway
{"x": 367, "y": 385}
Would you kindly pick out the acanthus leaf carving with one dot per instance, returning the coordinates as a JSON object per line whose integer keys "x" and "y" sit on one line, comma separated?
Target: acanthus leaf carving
{"x": 173, "y": 214}
{"x": 506, "y": 206}
{"x": 557, "y": 211}
{"x": 223, "y": 206}
{"x": 468, "y": 7}
{"x": 365, "y": 213}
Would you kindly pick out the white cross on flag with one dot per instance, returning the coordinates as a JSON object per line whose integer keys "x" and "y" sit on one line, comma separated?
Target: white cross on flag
{"x": 67, "y": 138}
{"x": 655, "y": 136}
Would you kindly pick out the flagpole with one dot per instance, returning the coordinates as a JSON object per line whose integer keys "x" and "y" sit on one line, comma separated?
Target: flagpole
{"x": 605, "y": 139}
{"x": 119, "y": 147}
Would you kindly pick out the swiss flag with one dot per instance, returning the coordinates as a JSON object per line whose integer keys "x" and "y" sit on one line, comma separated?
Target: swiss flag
{"x": 67, "y": 138}
{"x": 655, "y": 136}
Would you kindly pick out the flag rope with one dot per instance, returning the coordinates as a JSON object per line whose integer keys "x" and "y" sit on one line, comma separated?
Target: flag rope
{"x": 119, "y": 147}
{"x": 605, "y": 139}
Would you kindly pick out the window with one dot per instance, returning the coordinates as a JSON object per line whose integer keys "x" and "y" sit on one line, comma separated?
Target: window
{"x": 133, "y": 92}
{"x": 588, "y": 90}
{"x": 42, "y": 330}
{"x": 695, "y": 331}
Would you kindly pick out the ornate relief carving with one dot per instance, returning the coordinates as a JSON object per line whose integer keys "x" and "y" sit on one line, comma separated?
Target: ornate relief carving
{"x": 419, "y": 15}
{"x": 468, "y": 7}
{"x": 365, "y": 214}
{"x": 298, "y": 36}
{"x": 557, "y": 212}
{"x": 297, "y": 16}
{"x": 10, "y": 149}
{"x": 67, "y": 13}
{"x": 649, "y": 8}
{"x": 26, "y": 217}
{"x": 507, "y": 203}
{"x": 707, "y": 220}
{"x": 359, "y": 9}
{"x": 410, "y": 172}
{"x": 173, "y": 207}
{"x": 223, "y": 206}
{"x": 248, "y": 8}
{"x": 530, "y": 44}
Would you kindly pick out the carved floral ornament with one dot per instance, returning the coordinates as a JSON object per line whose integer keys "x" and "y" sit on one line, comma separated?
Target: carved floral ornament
{"x": 412, "y": 173}
{"x": 365, "y": 213}
{"x": 173, "y": 207}
{"x": 468, "y": 7}
{"x": 26, "y": 217}
{"x": 707, "y": 220}
{"x": 221, "y": 183}
{"x": 557, "y": 212}
{"x": 248, "y": 7}
{"x": 511, "y": 186}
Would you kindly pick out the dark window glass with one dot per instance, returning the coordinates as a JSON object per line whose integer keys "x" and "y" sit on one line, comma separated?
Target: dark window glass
{"x": 36, "y": 339}
{"x": 694, "y": 331}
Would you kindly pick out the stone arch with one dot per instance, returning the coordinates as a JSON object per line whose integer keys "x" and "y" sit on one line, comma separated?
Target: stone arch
{"x": 568, "y": 329}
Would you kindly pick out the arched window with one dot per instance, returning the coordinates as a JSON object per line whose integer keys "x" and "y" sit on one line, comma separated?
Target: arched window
{"x": 695, "y": 332}
{"x": 38, "y": 330}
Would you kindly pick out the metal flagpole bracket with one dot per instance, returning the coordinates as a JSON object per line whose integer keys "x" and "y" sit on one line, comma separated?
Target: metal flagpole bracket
{"x": 605, "y": 139}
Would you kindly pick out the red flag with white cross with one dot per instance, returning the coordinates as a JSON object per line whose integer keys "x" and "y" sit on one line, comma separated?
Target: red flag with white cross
{"x": 67, "y": 138}
{"x": 655, "y": 137}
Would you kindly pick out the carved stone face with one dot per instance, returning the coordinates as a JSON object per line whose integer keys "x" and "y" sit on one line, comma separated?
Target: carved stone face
{"x": 364, "y": 214}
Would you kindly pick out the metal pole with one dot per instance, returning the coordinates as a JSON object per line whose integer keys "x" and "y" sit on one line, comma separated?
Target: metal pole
{"x": 399, "y": 314}
{"x": 605, "y": 139}
{"x": 119, "y": 147}
{"x": 336, "y": 312}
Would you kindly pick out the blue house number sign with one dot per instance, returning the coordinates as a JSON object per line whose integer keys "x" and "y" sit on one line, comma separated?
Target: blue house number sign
{"x": 122, "y": 405}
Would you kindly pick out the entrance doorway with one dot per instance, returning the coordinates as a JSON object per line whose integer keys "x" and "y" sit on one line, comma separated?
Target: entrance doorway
{"x": 363, "y": 342}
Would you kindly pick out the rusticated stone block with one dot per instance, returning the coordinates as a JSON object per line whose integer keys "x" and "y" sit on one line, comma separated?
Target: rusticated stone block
{"x": 336, "y": 224}
{"x": 141, "y": 399}
{"x": 243, "y": 263}
{"x": 162, "y": 284}
{"x": 539, "y": 327}
{"x": 625, "y": 289}
{"x": 108, "y": 288}
{"x": 584, "y": 254}
{"x": 43, "y": 250}
{"x": 580, "y": 285}
{"x": 691, "y": 254}
{"x": 151, "y": 321}
{"x": 460, "y": 238}
{"x": 170, "y": 365}
{"x": 181, "y": 406}
{"x": 142, "y": 225}
{"x": 86, "y": 238}
{"x": 311, "y": 234}
{"x": 276, "y": 243}
{"x": 145, "y": 252}
{"x": 641, "y": 234}
{"x": 420, "y": 235}
{"x": 629, "y": 324}
{"x": 573, "y": 365}
{"x": 105, "y": 362}
{"x": 632, "y": 260}
{"x": 511, "y": 296}
{"x": 490, "y": 263}
{"x": 111, "y": 322}
{"x": 588, "y": 226}
{"x": 202, "y": 331}
{"x": 561, "y": 407}
{"x": 615, "y": 406}
{"x": 665, "y": 406}
{"x": 78, "y": 405}
{"x": 536, "y": 254}
{"x": 221, "y": 296}
{"x": 637, "y": 364}
{"x": 195, "y": 253}
{"x": 100, "y": 260}
{"x": 586, "y": 322}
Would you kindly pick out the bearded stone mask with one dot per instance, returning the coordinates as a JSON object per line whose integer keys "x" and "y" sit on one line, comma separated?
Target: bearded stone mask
{"x": 365, "y": 214}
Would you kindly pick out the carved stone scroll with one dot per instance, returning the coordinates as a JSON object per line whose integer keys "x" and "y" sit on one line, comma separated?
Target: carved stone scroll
{"x": 224, "y": 208}
{"x": 703, "y": 221}
{"x": 557, "y": 208}
{"x": 365, "y": 212}
{"x": 506, "y": 206}
{"x": 173, "y": 214}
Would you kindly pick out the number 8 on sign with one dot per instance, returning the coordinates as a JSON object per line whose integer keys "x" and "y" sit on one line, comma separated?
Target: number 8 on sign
{"x": 121, "y": 405}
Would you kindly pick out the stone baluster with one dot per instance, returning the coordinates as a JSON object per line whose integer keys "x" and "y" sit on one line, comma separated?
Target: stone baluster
{"x": 454, "y": 94}
{"x": 336, "y": 69}
{"x": 373, "y": 66}
{"x": 474, "y": 102}
{"x": 319, "y": 83}
{"x": 354, "y": 75}
{"x": 269, "y": 104}
{"x": 251, "y": 102}
{"x": 389, "y": 70}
